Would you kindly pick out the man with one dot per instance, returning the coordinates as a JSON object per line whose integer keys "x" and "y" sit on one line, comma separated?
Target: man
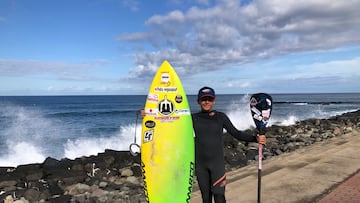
{"x": 209, "y": 154}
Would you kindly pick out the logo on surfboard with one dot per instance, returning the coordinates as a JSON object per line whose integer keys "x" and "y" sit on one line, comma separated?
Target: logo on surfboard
{"x": 166, "y": 107}
{"x": 148, "y": 135}
{"x": 165, "y": 79}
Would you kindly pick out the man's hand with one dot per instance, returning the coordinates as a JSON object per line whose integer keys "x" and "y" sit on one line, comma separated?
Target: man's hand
{"x": 142, "y": 113}
{"x": 261, "y": 139}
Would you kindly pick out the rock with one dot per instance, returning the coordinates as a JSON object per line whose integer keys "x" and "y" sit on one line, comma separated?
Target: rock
{"x": 32, "y": 194}
{"x": 35, "y": 176}
{"x": 103, "y": 184}
{"x": 251, "y": 154}
{"x": 136, "y": 169}
{"x": 7, "y": 183}
{"x": 278, "y": 152}
{"x": 127, "y": 172}
{"x": 133, "y": 180}
{"x": 77, "y": 167}
{"x": 50, "y": 163}
{"x": 75, "y": 189}
{"x": 337, "y": 131}
{"x": 54, "y": 189}
{"x": 9, "y": 199}
{"x": 22, "y": 200}
{"x": 98, "y": 192}
{"x": 61, "y": 199}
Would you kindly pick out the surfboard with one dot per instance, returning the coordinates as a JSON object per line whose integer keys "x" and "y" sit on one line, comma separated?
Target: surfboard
{"x": 167, "y": 140}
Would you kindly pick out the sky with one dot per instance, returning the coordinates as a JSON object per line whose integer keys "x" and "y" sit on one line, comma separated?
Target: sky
{"x": 101, "y": 47}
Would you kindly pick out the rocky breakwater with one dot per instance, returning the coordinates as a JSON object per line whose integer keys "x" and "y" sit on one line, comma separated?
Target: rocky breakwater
{"x": 112, "y": 176}
{"x": 115, "y": 176}
{"x": 283, "y": 139}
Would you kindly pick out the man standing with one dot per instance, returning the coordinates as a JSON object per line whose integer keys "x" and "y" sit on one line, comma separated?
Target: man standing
{"x": 209, "y": 153}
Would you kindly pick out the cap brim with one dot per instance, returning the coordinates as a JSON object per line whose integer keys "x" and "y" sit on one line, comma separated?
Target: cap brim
{"x": 207, "y": 95}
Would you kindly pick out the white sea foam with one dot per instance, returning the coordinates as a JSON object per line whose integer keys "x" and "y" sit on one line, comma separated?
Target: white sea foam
{"x": 21, "y": 153}
{"x": 91, "y": 146}
{"x": 239, "y": 114}
{"x": 285, "y": 122}
{"x": 301, "y": 104}
{"x": 26, "y": 136}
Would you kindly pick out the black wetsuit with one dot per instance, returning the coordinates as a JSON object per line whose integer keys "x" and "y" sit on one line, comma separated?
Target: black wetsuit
{"x": 209, "y": 152}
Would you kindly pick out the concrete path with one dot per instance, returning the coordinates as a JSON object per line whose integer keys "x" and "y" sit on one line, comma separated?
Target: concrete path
{"x": 304, "y": 175}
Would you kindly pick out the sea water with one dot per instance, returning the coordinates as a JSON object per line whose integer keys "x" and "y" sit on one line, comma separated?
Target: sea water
{"x": 35, "y": 127}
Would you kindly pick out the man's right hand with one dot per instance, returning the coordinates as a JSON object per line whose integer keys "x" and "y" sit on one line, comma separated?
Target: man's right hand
{"x": 142, "y": 113}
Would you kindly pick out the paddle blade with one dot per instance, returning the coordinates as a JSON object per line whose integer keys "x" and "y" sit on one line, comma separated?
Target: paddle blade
{"x": 261, "y": 107}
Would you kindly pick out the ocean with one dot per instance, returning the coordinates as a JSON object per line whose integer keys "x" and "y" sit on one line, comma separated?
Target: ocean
{"x": 35, "y": 127}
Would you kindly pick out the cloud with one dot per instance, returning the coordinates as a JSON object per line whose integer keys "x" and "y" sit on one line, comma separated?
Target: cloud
{"x": 332, "y": 76}
{"x": 316, "y": 84}
{"x": 139, "y": 36}
{"x": 131, "y": 4}
{"x": 229, "y": 34}
{"x": 60, "y": 70}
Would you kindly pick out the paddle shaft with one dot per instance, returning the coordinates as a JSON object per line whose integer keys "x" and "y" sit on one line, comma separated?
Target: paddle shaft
{"x": 259, "y": 173}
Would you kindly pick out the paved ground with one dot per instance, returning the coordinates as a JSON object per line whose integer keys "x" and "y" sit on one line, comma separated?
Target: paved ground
{"x": 348, "y": 192}
{"x": 306, "y": 175}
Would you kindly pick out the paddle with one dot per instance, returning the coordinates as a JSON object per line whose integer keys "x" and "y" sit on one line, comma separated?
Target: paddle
{"x": 261, "y": 107}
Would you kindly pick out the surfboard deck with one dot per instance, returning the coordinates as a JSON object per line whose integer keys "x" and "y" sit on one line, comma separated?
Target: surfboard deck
{"x": 167, "y": 141}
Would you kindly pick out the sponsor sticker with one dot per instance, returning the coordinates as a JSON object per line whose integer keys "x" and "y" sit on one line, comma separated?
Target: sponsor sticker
{"x": 165, "y": 77}
{"x": 151, "y": 111}
{"x": 166, "y": 107}
{"x": 148, "y": 136}
{"x": 166, "y": 89}
{"x": 167, "y": 118}
{"x": 182, "y": 111}
{"x": 178, "y": 99}
{"x": 153, "y": 98}
{"x": 150, "y": 124}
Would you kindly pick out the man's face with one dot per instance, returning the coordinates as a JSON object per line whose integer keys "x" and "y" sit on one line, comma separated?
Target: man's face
{"x": 207, "y": 103}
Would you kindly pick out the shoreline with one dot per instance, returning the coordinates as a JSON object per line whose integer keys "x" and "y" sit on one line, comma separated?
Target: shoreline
{"x": 116, "y": 175}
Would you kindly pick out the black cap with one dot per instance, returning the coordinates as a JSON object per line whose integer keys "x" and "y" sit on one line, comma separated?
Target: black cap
{"x": 206, "y": 92}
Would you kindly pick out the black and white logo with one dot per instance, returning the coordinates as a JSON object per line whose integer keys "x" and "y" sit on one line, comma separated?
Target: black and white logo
{"x": 178, "y": 99}
{"x": 148, "y": 136}
{"x": 150, "y": 124}
{"x": 166, "y": 107}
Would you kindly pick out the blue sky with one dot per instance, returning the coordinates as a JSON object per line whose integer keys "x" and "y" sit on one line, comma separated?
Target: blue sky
{"x": 66, "y": 47}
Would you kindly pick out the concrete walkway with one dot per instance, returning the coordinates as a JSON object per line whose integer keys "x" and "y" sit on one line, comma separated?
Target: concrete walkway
{"x": 305, "y": 175}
